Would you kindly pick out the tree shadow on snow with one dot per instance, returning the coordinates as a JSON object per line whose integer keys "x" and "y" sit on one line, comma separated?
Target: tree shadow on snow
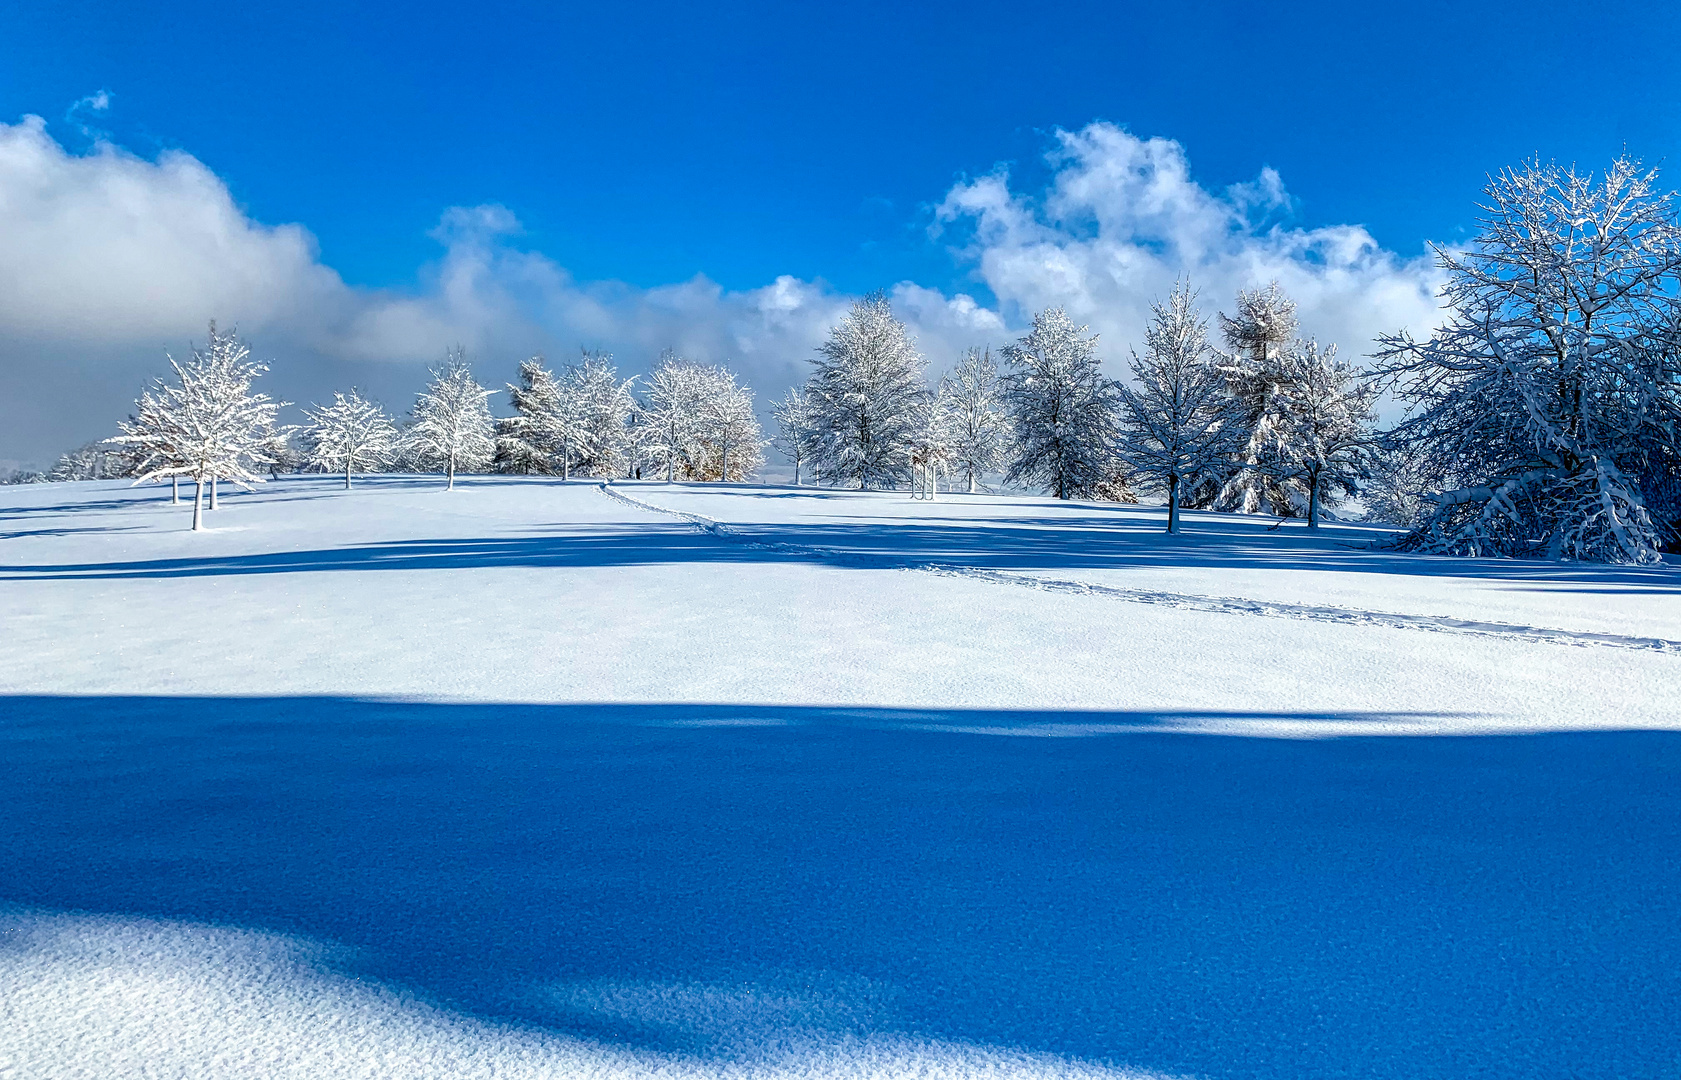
{"x": 1020, "y": 544}
{"x": 1205, "y": 904}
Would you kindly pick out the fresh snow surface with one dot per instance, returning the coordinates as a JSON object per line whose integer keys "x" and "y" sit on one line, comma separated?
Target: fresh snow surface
{"x": 545, "y": 779}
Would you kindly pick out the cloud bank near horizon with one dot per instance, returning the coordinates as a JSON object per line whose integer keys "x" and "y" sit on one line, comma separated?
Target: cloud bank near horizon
{"x": 110, "y": 259}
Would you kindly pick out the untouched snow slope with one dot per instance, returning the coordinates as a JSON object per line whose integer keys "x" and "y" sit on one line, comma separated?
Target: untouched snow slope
{"x": 525, "y": 780}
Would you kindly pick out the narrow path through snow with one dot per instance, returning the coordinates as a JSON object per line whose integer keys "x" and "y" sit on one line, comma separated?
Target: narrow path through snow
{"x": 1194, "y": 602}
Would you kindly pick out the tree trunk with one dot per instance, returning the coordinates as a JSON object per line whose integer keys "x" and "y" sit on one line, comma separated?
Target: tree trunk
{"x": 971, "y": 481}
{"x": 347, "y": 472}
{"x": 1173, "y": 504}
{"x": 213, "y": 479}
{"x": 198, "y": 505}
{"x": 1313, "y": 500}
{"x": 175, "y": 491}
{"x": 796, "y": 470}
{"x": 449, "y": 482}
{"x": 724, "y": 464}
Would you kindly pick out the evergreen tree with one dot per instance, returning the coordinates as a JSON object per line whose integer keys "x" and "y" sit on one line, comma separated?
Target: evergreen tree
{"x": 1326, "y": 425}
{"x": 1062, "y": 408}
{"x": 866, "y": 395}
{"x": 1179, "y": 425}
{"x": 1257, "y": 336}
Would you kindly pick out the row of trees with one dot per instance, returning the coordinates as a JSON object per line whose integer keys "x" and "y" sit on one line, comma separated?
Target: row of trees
{"x": 1543, "y": 417}
{"x": 691, "y": 421}
{"x": 1275, "y": 423}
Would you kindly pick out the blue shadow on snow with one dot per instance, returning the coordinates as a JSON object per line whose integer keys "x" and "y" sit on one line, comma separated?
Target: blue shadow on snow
{"x": 1212, "y": 905}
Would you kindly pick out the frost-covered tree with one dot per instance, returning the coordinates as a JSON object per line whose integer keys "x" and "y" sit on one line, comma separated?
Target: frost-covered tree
{"x": 452, "y": 428}
{"x": 93, "y": 461}
{"x": 1257, "y": 337}
{"x": 1062, "y": 408}
{"x": 977, "y": 420}
{"x": 696, "y": 423}
{"x": 207, "y": 425}
{"x": 931, "y": 448}
{"x": 671, "y": 425}
{"x": 605, "y": 408}
{"x": 553, "y": 422}
{"x": 1179, "y": 426}
{"x": 1326, "y": 425}
{"x": 1395, "y": 486}
{"x": 794, "y": 428}
{"x": 351, "y": 435}
{"x": 1551, "y": 397}
{"x": 866, "y": 395}
{"x": 732, "y": 430}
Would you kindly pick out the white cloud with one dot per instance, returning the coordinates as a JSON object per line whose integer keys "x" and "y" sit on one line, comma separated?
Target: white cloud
{"x": 109, "y": 258}
{"x": 1121, "y": 219}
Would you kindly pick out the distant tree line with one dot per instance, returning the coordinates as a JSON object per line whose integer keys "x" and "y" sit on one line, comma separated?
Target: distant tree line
{"x": 1542, "y": 418}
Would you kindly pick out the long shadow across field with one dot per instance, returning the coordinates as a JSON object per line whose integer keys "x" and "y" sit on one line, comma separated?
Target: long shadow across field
{"x": 1211, "y": 905}
{"x": 993, "y": 544}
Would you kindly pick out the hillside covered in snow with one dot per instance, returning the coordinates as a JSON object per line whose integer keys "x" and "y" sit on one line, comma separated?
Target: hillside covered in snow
{"x": 544, "y": 778}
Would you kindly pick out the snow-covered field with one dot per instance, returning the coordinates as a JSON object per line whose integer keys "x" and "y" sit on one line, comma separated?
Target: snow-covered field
{"x": 534, "y": 778}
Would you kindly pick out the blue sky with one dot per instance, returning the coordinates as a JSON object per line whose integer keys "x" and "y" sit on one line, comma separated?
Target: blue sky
{"x": 649, "y": 144}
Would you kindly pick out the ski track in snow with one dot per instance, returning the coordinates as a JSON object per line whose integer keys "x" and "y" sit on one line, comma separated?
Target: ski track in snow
{"x": 1234, "y": 605}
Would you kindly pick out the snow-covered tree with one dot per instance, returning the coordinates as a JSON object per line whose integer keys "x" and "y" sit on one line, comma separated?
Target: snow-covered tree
{"x": 351, "y": 435}
{"x": 1326, "y": 425}
{"x": 695, "y": 423}
{"x": 552, "y": 426}
{"x": 931, "y": 448}
{"x": 671, "y": 424}
{"x": 1062, "y": 408}
{"x": 604, "y": 409}
{"x": 977, "y": 420}
{"x": 452, "y": 428}
{"x": 1395, "y": 486}
{"x": 1178, "y": 425}
{"x": 732, "y": 430}
{"x": 94, "y": 461}
{"x": 1551, "y": 397}
{"x": 794, "y": 428}
{"x": 205, "y": 426}
{"x": 1257, "y": 336}
{"x": 866, "y": 395}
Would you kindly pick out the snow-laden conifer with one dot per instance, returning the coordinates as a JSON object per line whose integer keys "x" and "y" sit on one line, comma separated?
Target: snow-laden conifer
{"x": 205, "y": 426}
{"x": 794, "y": 428}
{"x": 866, "y": 395}
{"x": 553, "y": 423}
{"x": 452, "y": 428}
{"x": 1326, "y": 425}
{"x": 1550, "y": 401}
{"x": 351, "y": 435}
{"x": 1179, "y": 427}
{"x": 1062, "y": 408}
{"x": 1257, "y": 336}
{"x": 976, "y": 418}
